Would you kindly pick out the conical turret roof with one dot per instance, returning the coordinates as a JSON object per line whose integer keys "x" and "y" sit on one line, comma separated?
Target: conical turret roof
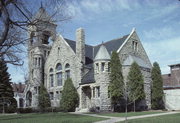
{"x": 42, "y": 15}
{"x": 102, "y": 54}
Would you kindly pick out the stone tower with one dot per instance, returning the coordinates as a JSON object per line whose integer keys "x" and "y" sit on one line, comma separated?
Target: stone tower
{"x": 102, "y": 69}
{"x": 40, "y": 36}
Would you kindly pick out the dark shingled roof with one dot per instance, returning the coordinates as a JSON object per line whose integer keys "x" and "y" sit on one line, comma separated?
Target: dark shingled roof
{"x": 112, "y": 45}
{"x": 91, "y": 51}
{"x": 88, "y": 77}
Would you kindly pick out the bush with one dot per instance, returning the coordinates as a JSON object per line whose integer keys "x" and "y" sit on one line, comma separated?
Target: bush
{"x": 25, "y": 110}
{"x": 94, "y": 109}
{"x": 70, "y": 98}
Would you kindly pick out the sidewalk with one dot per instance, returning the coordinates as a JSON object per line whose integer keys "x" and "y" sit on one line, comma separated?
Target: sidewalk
{"x": 118, "y": 119}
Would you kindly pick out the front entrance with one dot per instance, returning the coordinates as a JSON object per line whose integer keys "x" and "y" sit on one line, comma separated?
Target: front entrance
{"x": 86, "y": 97}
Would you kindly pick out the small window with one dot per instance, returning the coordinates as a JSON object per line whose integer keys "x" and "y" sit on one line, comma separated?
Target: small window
{"x": 39, "y": 62}
{"x": 51, "y": 80}
{"x": 98, "y": 91}
{"x": 58, "y": 50}
{"x": 35, "y": 90}
{"x": 135, "y": 45}
{"x": 67, "y": 74}
{"x": 102, "y": 67}
{"x": 51, "y": 70}
{"x": 93, "y": 91}
{"x": 109, "y": 66}
{"x": 51, "y": 96}
{"x": 51, "y": 77}
{"x": 57, "y": 94}
{"x": 48, "y": 53}
{"x": 67, "y": 71}
{"x": 97, "y": 67}
{"x": 59, "y": 78}
{"x": 67, "y": 66}
{"x": 58, "y": 67}
{"x": 45, "y": 37}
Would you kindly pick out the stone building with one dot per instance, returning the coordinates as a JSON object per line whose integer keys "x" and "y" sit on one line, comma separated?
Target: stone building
{"x": 88, "y": 66}
{"x": 171, "y": 85}
{"x": 18, "y": 90}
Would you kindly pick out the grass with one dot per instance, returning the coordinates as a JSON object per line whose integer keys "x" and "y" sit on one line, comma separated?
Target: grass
{"x": 171, "y": 118}
{"x": 129, "y": 114}
{"x": 48, "y": 118}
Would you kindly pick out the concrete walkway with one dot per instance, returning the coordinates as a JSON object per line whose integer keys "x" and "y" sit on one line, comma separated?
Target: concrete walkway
{"x": 118, "y": 119}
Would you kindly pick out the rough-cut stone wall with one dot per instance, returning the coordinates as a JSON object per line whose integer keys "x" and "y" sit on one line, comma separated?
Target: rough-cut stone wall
{"x": 102, "y": 81}
{"x": 127, "y": 50}
{"x": 62, "y": 53}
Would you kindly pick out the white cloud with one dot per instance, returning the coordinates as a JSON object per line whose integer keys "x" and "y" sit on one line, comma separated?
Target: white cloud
{"x": 88, "y": 9}
{"x": 159, "y": 10}
{"x": 159, "y": 33}
{"x": 165, "y": 52}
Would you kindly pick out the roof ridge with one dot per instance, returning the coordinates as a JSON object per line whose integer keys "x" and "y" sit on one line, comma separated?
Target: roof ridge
{"x": 111, "y": 40}
{"x": 100, "y": 43}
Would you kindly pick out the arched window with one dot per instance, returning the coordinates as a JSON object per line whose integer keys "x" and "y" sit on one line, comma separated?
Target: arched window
{"x": 51, "y": 78}
{"x": 67, "y": 71}
{"x": 59, "y": 74}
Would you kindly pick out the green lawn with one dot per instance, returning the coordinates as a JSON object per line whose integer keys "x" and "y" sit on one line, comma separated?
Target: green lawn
{"x": 129, "y": 114}
{"x": 172, "y": 118}
{"x": 48, "y": 118}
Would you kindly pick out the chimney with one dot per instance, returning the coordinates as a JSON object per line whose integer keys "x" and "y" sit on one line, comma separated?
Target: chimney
{"x": 80, "y": 44}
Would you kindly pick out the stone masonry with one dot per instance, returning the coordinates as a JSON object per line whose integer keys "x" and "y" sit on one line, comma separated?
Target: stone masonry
{"x": 53, "y": 58}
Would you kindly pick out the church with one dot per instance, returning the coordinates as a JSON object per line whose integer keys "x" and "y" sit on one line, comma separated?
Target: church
{"x": 53, "y": 58}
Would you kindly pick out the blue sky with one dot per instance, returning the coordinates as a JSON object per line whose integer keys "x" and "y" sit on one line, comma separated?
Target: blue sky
{"x": 157, "y": 23}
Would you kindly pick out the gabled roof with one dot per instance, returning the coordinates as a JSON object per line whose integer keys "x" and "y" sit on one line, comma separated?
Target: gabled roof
{"x": 88, "y": 77}
{"x": 112, "y": 45}
{"x": 88, "y": 49}
{"x": 91, "y": 51}
{"x": 19, "y": 88}
{"x": 102, "y": 54}
{"x": 130, "y": 59}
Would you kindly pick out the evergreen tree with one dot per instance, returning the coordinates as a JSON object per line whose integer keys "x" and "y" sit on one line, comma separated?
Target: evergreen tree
{"x": 44, "y": 99}
{"x": 135, "y": 84}
{"x": 70, "y": 98}
{"x": 116, "y": 86}
{"x": 6, "y": 90}
{"x": 157, "y": 87}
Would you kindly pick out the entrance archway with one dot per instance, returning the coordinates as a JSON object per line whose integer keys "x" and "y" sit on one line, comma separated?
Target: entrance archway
{"x": 86, "y": 97}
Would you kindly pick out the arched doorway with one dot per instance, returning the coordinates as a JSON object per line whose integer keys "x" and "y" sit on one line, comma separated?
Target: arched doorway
{"x": 28, "y": 99}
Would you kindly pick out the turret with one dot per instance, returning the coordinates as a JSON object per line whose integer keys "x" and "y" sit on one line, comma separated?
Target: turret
{"x": 40, "y": 36}
{"x": 102, "y": 60}
{"x": 42, "y": 30}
